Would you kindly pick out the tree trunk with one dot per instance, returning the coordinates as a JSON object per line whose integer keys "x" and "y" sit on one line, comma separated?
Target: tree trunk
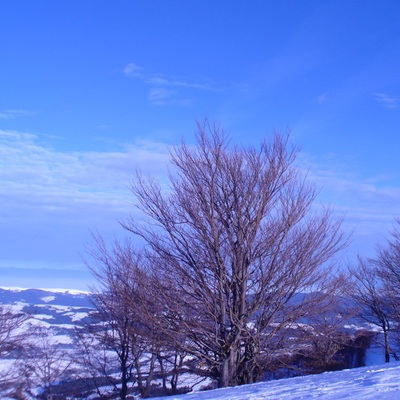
{"x": 228, "y": 370}
{"x": 387, "y": 347}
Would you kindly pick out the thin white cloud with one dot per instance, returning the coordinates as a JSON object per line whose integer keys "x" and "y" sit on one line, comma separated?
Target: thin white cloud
{"x": 159, "y": 96}
{"x": 167, "y": 89}
{"x": 321, "y": 98}
{"x": 13, "y": 114}
{"x": 369, "y": 203}
{"x": 132, "y": 70}
{"x": 51, "y": 199}
{"x": 103, "y": 127}
{"x": 387, "y": 101}
{"x": 35, "y": 178}
{"x": 161, "y": 81}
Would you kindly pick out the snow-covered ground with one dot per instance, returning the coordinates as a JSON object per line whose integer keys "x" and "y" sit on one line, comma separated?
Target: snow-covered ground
{"x": 375, "y": 382}
{"x": 60, "y": 311}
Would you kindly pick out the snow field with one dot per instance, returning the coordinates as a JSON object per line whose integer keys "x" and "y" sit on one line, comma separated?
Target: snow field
{"x": 378, "y": 383}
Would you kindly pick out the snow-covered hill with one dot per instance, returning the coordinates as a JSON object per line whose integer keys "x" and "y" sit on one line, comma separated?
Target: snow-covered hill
{"x": 65, "y": 297}
{"x": 378, "y": 382}
{"x": 59, "y": 311}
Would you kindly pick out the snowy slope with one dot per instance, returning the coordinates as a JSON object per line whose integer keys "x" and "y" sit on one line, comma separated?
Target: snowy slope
{"x": 62, "y": 310}
{"x": 379, "y": 383}
{"x": 59, "y": 311}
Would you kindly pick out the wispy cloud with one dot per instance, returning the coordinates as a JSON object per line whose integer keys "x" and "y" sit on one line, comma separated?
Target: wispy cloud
{"x": 103, "y": 127}
{"x": 387, "y": 101}
{"x": 132, "y": 70}
{"x": 322, "y": 98}
{"x": 167, "y": 89}
{"x": 52, "y": 199}
{"x": 368, "y": 202}
{"x": 13, "y": 114}
{"x": 162, "y": 81}
{"x": 40, "y": 179}
{"x": 159, "y": 96}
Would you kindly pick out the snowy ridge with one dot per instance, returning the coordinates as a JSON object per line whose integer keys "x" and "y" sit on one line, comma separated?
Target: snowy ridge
{"x": 52, "y": 290}
{"x": 69, "y": 291}
{"x": 60, "y": 311}
{"x": 380, "y": 382}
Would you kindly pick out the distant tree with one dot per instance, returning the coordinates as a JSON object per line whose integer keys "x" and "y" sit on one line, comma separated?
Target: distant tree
{"x": 234, "y": 242}
{"x": 12, "y": 335}
{"x": 369, "y": 293}
{"x": 387, "y": 264}
{"x": 105, "y": 353}
{"x": 114, "y": 325}
{"x": 124, "y": 323}
{"x": 13, "y": 341}
{"x": 45, "y": 362}
{"x": 325, "y": 341}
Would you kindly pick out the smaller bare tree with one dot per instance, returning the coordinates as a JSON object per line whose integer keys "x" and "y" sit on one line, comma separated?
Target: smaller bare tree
{"x": 13, "y": 338}
{"x": 104, "y": 353}
{"x": 113, "y": 326}
{"x": 368, "y": 292}
{"x": 125, "y": 321}
{"x": 387, "y": 264}
{"x": 325, "y": 342}
{"x": 45, "y": 363}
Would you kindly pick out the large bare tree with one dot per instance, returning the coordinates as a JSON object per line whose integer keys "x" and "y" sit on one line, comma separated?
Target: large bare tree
{"x": 235, "y": 244}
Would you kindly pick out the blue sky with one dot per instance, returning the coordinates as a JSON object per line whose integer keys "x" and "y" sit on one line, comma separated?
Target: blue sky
{"x": 91, "y": 90}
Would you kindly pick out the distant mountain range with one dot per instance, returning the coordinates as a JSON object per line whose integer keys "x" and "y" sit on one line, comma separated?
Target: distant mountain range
{"x": 59, "y": 311}
{"x": 61, "y": 297}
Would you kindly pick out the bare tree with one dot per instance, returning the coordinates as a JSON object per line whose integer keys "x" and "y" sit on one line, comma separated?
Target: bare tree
{"x": 233, "y": 244}
{"x": 45, "y": 362}
{"x": 11, "y": 334}
{"x": 327, "y": 341}
{"x": 125, "y": 315}
{"x": 97, "y": 361}
{"x": 387, "y": 264}
{"x": 13, "y": 339}
{"x": 368, "y": 291}
{"x": 114, "y": 326}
